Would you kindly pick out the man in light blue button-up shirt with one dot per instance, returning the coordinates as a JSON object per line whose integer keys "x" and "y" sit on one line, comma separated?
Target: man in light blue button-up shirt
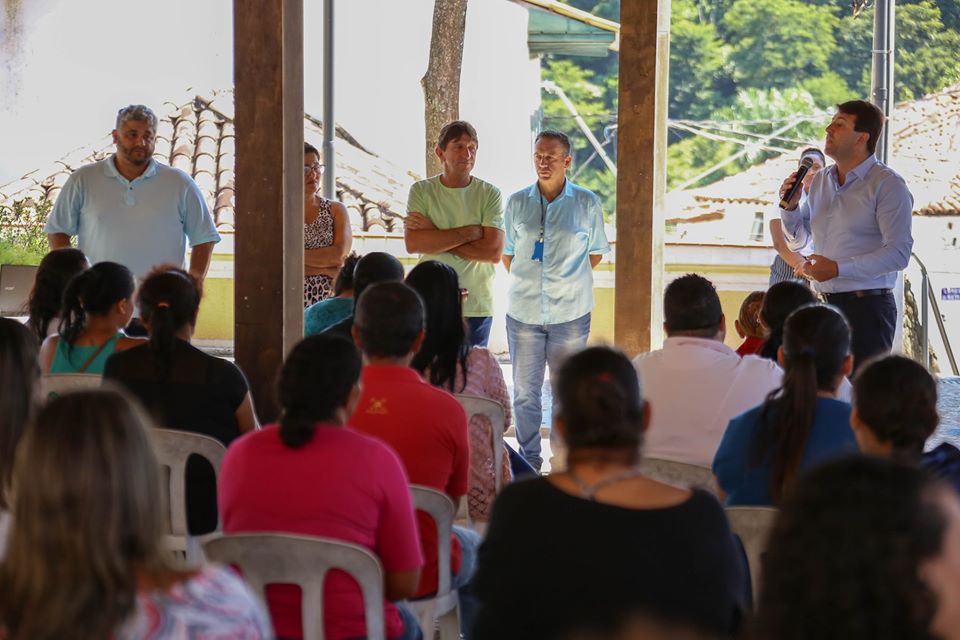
{"x": 131, "y": 209}
{"x": 859, "y": 215}
{"x": 554, "y": 239}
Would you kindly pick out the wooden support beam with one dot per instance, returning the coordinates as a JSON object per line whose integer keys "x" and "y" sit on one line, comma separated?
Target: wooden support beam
{"x": 641, "y": 173}
{"x": 268, "y": 274}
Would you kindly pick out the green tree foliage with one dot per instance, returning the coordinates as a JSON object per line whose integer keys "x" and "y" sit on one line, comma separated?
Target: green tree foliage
{"x": 739, "y": 67}
{"x": 779, "y": 43}
{"x": 743, "y": 127}
{"x": 699, "y": 72}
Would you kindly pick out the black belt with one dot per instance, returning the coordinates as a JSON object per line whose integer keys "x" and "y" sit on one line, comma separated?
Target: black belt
{"x": 850, "y": 295}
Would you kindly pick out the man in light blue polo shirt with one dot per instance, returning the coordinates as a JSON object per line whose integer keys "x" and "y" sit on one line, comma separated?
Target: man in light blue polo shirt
{"x": 131, "y": 209}
{"x": 554, "y": 239}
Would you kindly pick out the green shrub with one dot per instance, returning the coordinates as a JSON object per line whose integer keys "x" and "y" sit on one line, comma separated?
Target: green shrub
{"x": 22, "y": 240}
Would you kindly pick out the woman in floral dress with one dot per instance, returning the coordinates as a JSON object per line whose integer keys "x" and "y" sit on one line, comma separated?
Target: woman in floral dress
{"x": 326, "y": 233}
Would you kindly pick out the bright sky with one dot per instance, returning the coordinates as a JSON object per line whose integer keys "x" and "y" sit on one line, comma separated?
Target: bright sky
{"x": 77, "y": 62}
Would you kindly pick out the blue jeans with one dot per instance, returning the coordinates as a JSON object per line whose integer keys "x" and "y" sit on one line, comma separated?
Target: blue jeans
{"x": 534, "y": 347}
{"x": 411, "y": 628}
{"x": 462, "y": 582}
{"x": 479, "y": 330}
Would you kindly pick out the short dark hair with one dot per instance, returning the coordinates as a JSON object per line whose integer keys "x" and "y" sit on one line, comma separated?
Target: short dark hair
{"x": 552, "y": 134}
{"x": 869, "y": 119}
{"x": 896, "y": 398}
{"x": 453, "y": 130}
{"x": 848, "y": 545}
{"x": 691, "y": 306}
{"x": 309, "y": 148}
{"x": 372, "y": 268}
{"x": 389, "y": 317}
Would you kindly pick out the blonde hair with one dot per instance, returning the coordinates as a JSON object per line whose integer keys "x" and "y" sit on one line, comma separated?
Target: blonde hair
{"x": 87, "y": 519}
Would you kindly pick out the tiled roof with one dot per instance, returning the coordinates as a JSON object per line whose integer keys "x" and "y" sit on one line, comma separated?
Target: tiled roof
{"x": 925, "y": 151}
{"x": 197, "y": 136}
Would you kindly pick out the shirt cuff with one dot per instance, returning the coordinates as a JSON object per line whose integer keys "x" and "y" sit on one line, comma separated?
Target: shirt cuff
{"x": 846, "y": 268}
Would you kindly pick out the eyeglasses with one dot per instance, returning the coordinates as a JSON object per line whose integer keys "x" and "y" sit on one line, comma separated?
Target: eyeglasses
{"x": 316, "y": 167}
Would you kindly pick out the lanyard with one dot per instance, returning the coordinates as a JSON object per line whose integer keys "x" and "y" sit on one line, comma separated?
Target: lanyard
{"x": 543, "y": 212}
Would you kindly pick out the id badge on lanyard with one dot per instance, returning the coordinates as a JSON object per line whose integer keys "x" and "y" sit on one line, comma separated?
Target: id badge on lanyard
{"x": 538, "y": 245}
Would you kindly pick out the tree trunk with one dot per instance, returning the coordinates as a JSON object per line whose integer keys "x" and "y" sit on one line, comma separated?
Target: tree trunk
{"x": 441, "y": 83}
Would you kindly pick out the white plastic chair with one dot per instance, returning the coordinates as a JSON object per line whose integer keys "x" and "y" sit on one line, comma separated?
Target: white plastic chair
{"x": 442, "y": 610}
{"x": 679, "y": 474}
{"x": 278, "y": 558}
{"x": 494, "y": 412}
{"x": 54, "y": 384}
{"x": 173, "y": 448}
{"x": 752, "y": 525}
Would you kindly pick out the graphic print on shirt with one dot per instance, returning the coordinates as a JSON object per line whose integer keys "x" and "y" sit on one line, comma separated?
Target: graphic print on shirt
{"x": 378, "y": 407}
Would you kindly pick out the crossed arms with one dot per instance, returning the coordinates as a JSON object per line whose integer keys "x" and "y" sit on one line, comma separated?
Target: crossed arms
{"x": 471, "y": 242}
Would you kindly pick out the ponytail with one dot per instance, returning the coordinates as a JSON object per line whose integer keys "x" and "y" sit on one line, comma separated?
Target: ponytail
{"x": 815, "y": 345}
{"x": 93, "y": 293}
{"x": 314, "y": 384}
{"x": 169, "y": 300}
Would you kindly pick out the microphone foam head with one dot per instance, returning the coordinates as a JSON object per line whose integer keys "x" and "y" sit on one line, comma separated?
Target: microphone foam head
{"x": 806, "y": 162}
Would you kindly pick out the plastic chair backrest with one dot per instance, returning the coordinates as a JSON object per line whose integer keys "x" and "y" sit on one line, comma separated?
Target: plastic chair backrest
{"x": 278, "y": 558}
{"x": 440, "y": 507}
{"x": 679, "y": 474}
{"x": 173, "y": 448}
{"x": 54, "y": 384}
{"x": 494, "y": 412}
{"x": 752, "y": 525}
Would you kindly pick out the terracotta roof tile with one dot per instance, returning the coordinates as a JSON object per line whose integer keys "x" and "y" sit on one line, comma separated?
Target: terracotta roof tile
{"x": 197, "y": 136}
{"x": 925, "y": 151}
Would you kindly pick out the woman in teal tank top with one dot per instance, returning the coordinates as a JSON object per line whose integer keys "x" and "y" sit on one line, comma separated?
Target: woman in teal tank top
{"x": 97, "y": 305}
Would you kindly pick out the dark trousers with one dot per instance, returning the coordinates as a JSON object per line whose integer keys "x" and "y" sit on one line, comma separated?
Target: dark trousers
{"x": 873, "y": 321}
{"x": 479, "y": 330}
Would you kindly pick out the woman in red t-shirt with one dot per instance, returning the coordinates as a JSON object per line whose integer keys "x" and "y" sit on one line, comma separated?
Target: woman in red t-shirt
{"x": 310, "y": 475}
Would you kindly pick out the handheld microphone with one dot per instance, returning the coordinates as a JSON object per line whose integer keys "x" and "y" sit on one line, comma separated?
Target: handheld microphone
{"x": 805, "y": 165}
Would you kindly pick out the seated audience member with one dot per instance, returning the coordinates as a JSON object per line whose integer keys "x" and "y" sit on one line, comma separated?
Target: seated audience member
{"x": 324, "y": 314}
{"x": 371, "y": 268}
{"x": 86, "y": 557}
{"x": 780, "y": 301}
{"x": 797, "y": 426}
{"x": 863, "y": 549}
{"x": 19, "y": 376}
{"x": 895, "y": 412}
{"x": 426, "y": 426}
{"x": 311, "y": 475}
{"x": 46, "y": 298}
{"x": 748, "y": 324}
{"x": 617, "y": 538}
{"x": 97, "y": 305}
{"x": 182, "y": 387}
{"x": 446, "y": 360}
{"x": 696, "y": 382}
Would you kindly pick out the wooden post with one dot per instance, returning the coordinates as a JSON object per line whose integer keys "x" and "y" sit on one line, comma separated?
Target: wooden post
{"x": 268, "y": 275}
{"x": 641, "y": 173}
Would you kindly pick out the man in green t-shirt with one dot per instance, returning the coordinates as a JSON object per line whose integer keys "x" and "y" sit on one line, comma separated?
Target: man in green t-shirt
{"x": 456, "y": 218}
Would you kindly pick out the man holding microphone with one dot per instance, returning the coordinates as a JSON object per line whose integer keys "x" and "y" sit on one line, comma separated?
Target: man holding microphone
{"x": 858, "y": 214}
